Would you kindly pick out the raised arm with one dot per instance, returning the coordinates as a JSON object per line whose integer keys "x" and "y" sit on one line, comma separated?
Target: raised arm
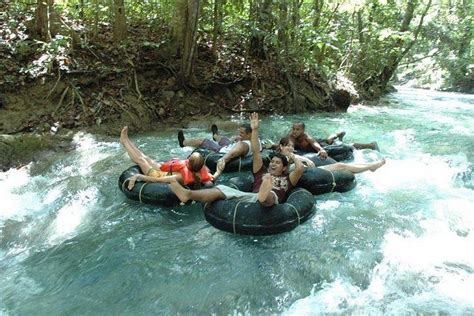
{"x": 257, "y": 157}
{"x": 296, "y": 174}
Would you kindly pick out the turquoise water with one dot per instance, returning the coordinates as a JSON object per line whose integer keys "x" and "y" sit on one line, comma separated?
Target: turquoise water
{"x": 400, "y": 243}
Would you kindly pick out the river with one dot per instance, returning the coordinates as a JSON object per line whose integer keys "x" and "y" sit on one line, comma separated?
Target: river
{"x": 400, "y": 243}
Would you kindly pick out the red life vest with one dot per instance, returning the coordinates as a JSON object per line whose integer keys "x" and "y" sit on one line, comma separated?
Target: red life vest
{"x": 181, "y": 166}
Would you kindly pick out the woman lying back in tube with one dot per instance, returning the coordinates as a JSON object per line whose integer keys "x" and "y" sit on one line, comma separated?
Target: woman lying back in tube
{"x": 191, "y": 171}
{"x": 287, "y": 145}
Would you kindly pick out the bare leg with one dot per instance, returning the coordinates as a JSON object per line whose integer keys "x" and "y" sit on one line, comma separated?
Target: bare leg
{"x": 355, "y": 167}
{"x": 135, "y": 154}
{"x": 265, "y": 197}
{"x": 204, "y": 195}
{"x": 372, "y": 145}
{"x": 134, "y": 149}
{"x": 188, "y": 142}
{"x": 193, "y": 142}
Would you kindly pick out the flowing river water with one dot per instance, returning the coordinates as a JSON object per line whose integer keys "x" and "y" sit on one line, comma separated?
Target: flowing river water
{"x": 400, "y": 243}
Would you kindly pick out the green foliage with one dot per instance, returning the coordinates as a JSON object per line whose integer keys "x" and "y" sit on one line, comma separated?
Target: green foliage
{"x": 55, "y": 51}
{"x": 357, "y": 39}
{"x": 443, "y": 58}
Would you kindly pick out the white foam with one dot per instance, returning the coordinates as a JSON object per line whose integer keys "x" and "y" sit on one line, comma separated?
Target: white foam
{"x": 432, "y": 270}
{"x": 14, "y": 204}
{"x": 70, "y": 216}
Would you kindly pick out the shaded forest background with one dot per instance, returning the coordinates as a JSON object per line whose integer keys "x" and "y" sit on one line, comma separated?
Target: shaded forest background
{"x": 97, "y": 64}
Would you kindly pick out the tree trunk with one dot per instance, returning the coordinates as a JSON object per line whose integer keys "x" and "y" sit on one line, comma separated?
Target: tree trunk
{"x": 44, "y": 22}
{"x": 394, "y": 60}
{"x": 283, "y": 29}
{"x": 381, "y": 80}
{"x": 360, "y": 27}
{"x": 411, "y": 5}
{"x": 466, "y": 34}
{"x": 295, "y": 19}
{"x": 120, "y": 22}
{"x": 190, "y": 25}
{"x": 318, "y": 11}
{"x": 217, "y": 25}
{"x": 260, "y": 14}
{"x": 395, "y": 57}
{"x": 95, "y": 27}
{"x": 81, "y": 9}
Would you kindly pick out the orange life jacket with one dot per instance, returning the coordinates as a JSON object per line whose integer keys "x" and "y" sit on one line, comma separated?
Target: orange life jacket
{"x": 181, "y": 166}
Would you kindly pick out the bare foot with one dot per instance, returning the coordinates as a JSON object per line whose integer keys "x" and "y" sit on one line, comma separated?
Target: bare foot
{"x": 124, "y": 134}
{"x": 377, "y": 165}
{"x": 341, "y": 135}
{"x": 333, "y": 137}
{"x": 375, "y": 146}
{"x": 265, "y": 189}
{"x": 181, "y": 193}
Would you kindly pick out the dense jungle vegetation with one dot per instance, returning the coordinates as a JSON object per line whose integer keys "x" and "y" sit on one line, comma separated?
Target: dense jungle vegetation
{"x": 100, "y": 63}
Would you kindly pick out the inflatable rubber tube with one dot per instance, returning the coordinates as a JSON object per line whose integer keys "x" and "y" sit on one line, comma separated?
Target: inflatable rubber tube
{"x": 148, "y": 192}
{"x": 338, "y": 152}
{"x": 254, "y": 219}
{"x": 320, "y": 181}
{"x": 314, "y": 157}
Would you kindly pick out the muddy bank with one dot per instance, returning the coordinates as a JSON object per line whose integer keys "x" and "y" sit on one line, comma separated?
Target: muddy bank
{"x": 104, "y": 109}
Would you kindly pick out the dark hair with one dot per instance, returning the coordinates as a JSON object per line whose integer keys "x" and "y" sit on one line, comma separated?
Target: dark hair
{"x": 283, "y": 158}
{"x": 247, "y": 127}
{"x": 284, "y": 141}
{"x": 300, "y": 123}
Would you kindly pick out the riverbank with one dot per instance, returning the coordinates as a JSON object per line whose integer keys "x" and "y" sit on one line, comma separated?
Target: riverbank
{"x": 23, "y": 147}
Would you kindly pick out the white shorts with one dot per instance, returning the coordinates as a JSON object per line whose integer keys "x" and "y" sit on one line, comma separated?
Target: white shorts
{"x": 231, "y": 193}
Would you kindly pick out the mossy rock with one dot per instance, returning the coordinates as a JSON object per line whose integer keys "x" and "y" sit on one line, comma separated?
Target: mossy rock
{"x": 22, "y": 149}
